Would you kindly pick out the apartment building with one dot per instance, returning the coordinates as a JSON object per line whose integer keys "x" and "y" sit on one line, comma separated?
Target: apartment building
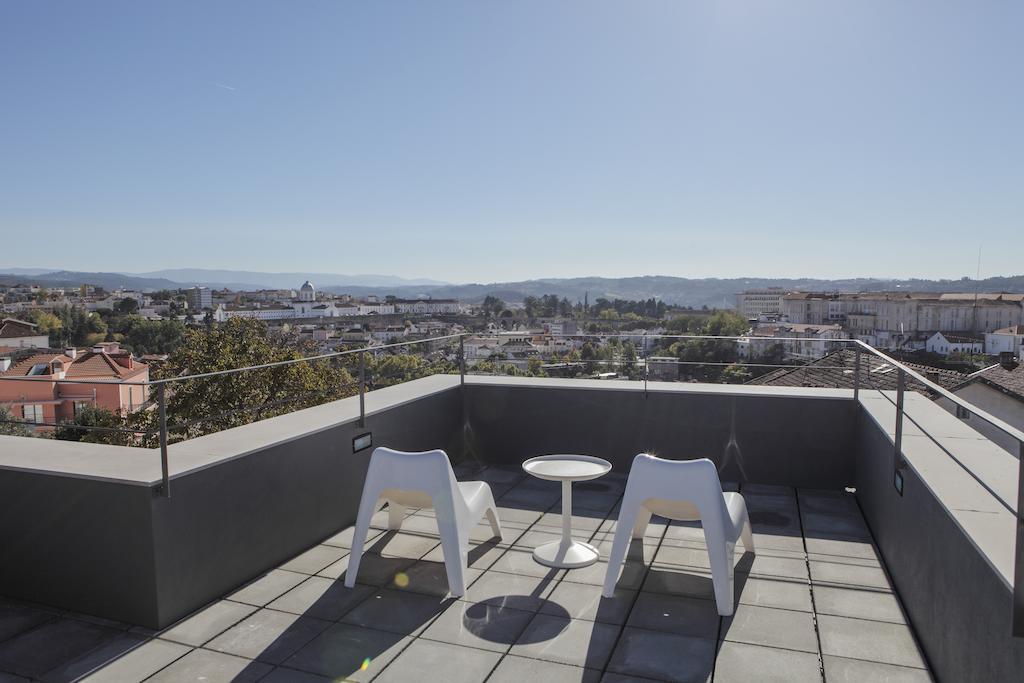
{"x": 755, "y": 303}
{"x": 1007, "y": 340}
{"x": 105, "y": 377}
{"x": 199, "y": 298}
{"x": 797, "y": 340}
{"x": 904, "y": 320}
{"x": 426, "y": 306}
{"x": 20, "y": 335}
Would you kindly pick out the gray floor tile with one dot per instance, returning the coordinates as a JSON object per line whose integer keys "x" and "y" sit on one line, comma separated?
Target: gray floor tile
{"x": 482, "y": 532}
{"x": 567, "y": 641}
{"x": 693, "y": 582}
{"x": 285, "y": 675}
{"x": 829, "y": 502}
{"x": 771, "y": 566}
{"x": 675, "y": 614}
{"x": 584, "y": 601}
{"x": 140, "y": 663}
{"x": 682, "y": 556}
{"x": 851, "y": 525}
{"x": 767, "y": 489}
{"x": 343, "y": 539}
{"x": 374, "y": 570}
{"x": 401, "y": 545}
{"x": 773, "y": 592}
{"x": 95, "y": 659}
{"x": 430, "y": 578}
{"x": 537, "y": 536}
{"x": 514, "y": 669}
{"x": 488, "y": 627}
{"x": 630, "y": 578}
{"x": 509, "y": 590}
{"x": 842, "y": 670}
{"x": 422, "y": 525}
{"x": 782, "y": 541}
{"x": 859, "y": 604}
{"x": 268, "y": 636}
{"x": 741, "y": 662}
{"x": 349, "y": 653}
{"x": 518, "y": 515}
{"x": 838, "y": 574}
{"x": 841, "y": 547}
{"x": 869, "y": 640}
{"x": 451, "y": 663}
{"x": 15, "y": 619}
{"x": 771, "y": 628}
{"x": 663, "y": 656}
{"x": 481, "y": 555}
{"x": 207, "y": 623}
{"x": 212, "y": 667}
{"x": 520, "y": 561}
{"x": 51, "y": 645}
{"x": 268, "y": 587}
{"x": 321, "y": 598}
{"x": 552, "y": 521}
{"x": 397, "y": 611}
{"x": 315, "y": 559}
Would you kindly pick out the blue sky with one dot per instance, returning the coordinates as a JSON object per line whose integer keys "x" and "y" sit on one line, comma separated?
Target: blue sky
{"x": 492, "y": 140}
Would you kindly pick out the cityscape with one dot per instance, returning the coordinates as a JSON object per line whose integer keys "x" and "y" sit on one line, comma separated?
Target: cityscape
{"x": 569, "y": 341}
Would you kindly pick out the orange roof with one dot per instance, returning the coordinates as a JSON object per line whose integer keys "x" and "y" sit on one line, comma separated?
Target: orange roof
{"x": 90, "y": 364}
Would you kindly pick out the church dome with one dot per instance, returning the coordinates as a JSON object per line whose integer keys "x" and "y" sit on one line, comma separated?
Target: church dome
{"x": 307, "y": 286}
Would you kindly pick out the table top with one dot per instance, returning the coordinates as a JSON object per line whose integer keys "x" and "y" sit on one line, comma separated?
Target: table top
{"x": 567, "y": 467}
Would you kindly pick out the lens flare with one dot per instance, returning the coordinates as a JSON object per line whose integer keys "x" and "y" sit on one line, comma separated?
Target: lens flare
{"x": 401, "y": 579}
{"x": 365, "y": 665}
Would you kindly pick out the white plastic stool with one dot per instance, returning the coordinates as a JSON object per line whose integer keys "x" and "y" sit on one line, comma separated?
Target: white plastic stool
{"x": 685, "y": 490}
{"x": 424, "y": 480}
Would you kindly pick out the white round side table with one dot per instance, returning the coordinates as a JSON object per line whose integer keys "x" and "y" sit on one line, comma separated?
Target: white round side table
{"x": 566, "y": 553}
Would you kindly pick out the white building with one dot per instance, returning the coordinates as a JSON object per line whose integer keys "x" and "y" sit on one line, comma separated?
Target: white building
{"x": 22, "y": 335}
{"x": 947, "y": 343}
{"x": 904, "y": 320}
{"x": 797, "y": 340}
{"x": 426, "y": 306}
{"x": 1006, "y": 340}
{"x": 755, "y": 303}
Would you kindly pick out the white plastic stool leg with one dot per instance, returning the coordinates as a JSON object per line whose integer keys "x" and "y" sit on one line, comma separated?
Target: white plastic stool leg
{"x": 367, "y": 508}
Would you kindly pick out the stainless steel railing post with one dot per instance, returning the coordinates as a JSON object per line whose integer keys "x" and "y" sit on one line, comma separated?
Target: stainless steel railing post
{"x": 856, "y": 374}
{"x": 901, "y": 382}
{"x": 462, "y": 360}
{"x": 165, "y": 487}
{"x": 362, "y": 388}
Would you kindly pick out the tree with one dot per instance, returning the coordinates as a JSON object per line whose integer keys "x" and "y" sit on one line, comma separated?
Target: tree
{"x": 151, "y": 336}
{"x": 492, "y": 306}
{"x": 126, "y": 306}
{"x": 735, "y": 374}
{"x": 10, "y": 428}
{"x": 49, "y": 324}
{"x": 209, "y": 404}
{"x": 84, "y": 428}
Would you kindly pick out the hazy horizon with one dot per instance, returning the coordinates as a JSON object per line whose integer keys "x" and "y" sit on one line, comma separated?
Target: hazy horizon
{"x": 498, "y": 142}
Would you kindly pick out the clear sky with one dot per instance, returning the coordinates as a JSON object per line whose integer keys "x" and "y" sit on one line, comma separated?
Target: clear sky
{"x": 503, "y": 140}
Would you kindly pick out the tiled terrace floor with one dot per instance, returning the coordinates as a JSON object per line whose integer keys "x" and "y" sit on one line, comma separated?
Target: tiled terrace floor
{"x": 814, "y": 603}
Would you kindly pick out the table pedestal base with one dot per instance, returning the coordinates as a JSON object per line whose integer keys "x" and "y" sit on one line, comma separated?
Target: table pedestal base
{"x": 560, "y": 555}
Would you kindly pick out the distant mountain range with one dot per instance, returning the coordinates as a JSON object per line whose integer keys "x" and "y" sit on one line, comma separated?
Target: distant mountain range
{"x": 711, "y": 292}
{"x": 190, "y": 277}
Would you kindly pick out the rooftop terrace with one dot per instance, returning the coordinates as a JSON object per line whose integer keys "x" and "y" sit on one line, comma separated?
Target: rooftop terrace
{"x": 886, "y": 547}
{"x": 815, "y": 600}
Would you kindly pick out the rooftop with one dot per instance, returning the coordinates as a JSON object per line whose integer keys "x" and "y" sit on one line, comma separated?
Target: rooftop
{"x": 815, "y": 598}
{"x": 836, "y": 370}
{"x": 885, "y": 527}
